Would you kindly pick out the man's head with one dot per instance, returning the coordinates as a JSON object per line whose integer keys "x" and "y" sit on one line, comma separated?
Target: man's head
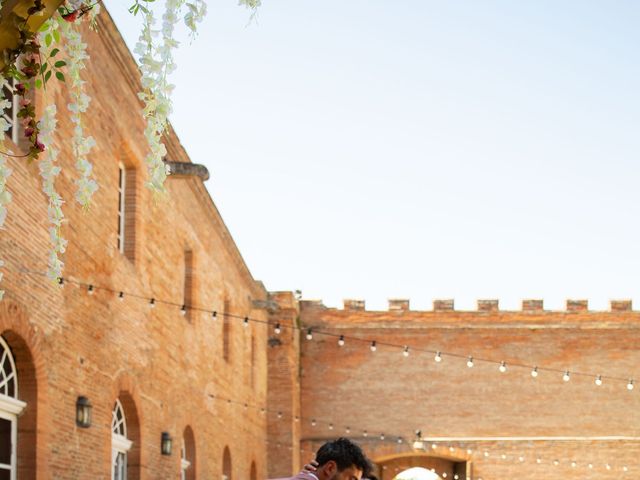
{"x": 341, "y": 459}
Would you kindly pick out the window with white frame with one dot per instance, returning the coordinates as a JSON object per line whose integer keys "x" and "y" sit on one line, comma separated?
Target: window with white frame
{"x": 120, "y": 444}
{"x": 10, "y": 408}
{"x": 122, "y": 187}
{"x": 184, "y": 463}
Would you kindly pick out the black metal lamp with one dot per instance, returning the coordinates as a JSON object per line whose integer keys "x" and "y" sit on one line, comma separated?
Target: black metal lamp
{"x": 83, "y": 412}
{"x": 166, "y": 443}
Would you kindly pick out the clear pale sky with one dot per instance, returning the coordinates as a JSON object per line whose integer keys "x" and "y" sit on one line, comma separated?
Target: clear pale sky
{"x": 421, "y": 149}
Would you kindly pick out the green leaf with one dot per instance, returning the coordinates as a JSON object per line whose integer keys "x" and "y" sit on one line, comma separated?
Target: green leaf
{"x": 54, "y": 52}
{"x": 44, "y": 27}
{"x": 56, "y": 36}
{"x": 59, "y": 76}
{"x": 59, "y": 64}
{"x": 43, "y": 68}
{"x": 47, "y": 76}
{"x": 48, "y": 39}
{"x": 38, "y": 83}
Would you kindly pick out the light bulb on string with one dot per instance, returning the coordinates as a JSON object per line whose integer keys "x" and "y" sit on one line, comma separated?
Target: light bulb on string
{"x": 365, "y": 434}
{"x": 438, "y": 357}
{"x": 61, "y": 281}
{"x": 451, "y": 449}
{"x": 277, "y": 329}
{"x": 90, "y": 290}
{"x": 630, "y": 385}
{"x": 469, "y": 451}
{"x": 590, "y": 465}
{"x": 245, "y": 322}
{"x": 399, "y": 440}
{"x": 625, "y": 468}
{"x": 556, "y": 463}
{"x": 121, "y": 296}
{"x": 313, "y": 422}
{"x": 347, "y": 430}
{"x": 434, "y": 446}
{"x": 406, "y": 351}
{"x": 183, "y": 310}
{"x": 502, "y": 367}
{"x": 503, "y": 456}
{"x": 341, "y": 341}
{"x": 521, "y": 458}
{"x": 599, "y": 380}
{"x": 382, "y": 436}
{"x": 279, "y": 415}
{"x": 486, "y": 454}
{"x": 534, "y": 372}
{"x": 309, "y": 335}
{"x": 538, "y": 460}
{"x": 152, "y": 303}
{"x": 573, "y": 464}
{"x": 567, "y": 376}
{"x": 470, "y": 362}
{"x": 214, "y": 314}
{"x": 607, "y": 466}
{"x": 373, "y": 346}
{"x": 331, "y": 426}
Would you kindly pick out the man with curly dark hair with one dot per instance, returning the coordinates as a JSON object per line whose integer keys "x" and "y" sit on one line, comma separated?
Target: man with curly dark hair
{"x": 339, "y": 459}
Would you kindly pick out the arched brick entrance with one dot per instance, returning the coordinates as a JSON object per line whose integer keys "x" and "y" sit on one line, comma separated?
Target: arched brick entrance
{"x": 448, "y": 468}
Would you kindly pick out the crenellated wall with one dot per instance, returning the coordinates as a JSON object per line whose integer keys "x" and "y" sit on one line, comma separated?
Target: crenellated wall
{"x": 480, "y": 408}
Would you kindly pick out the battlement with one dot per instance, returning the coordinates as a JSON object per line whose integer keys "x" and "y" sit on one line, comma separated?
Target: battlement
{"x": 531, "y": 306}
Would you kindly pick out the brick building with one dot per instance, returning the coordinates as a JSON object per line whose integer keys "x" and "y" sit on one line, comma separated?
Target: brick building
{"x": 144, "y": 370}
{"x": 479, "y": 421}
{"x": 149, "y": 368}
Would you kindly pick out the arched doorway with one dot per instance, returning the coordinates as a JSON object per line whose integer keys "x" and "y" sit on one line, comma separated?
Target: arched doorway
{"x": 188, "y": 455}
{"x": 417, "y": 473}
{"x": 226, "y": 465}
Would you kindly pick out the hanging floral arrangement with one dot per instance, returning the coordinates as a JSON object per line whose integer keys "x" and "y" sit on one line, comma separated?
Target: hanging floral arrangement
{"x": 55, "y": 49}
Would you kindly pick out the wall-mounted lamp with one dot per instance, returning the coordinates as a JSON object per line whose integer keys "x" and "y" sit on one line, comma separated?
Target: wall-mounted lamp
{"x": 166, "y": 443}
{"x": 83, "y": 412}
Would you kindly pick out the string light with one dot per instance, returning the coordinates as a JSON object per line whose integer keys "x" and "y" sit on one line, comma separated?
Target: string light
{"x": 556, "y": 463}
{"x": 503, "y": 367}
{"x": 434, "y": 446}
{"x": 365, "y": 434}
{"x": 245, "y": 322}
{"x": 438, "y": 354}
{"x": 277, "y": 329}
{"x": 406, "y": 351}
{"x": 183, "y": 310}
{"x": 90, "y": 290}
{"x": 309, "y": 335}
{"x": 538, "y": 461}
{"x": 573, "y": 464}
{"x": 382, "y": 436}
{"x": 313, "y": 422}
{"x": 399, "y": 440}
{"x": 373, "y": 346}
{"x": 331, "y": 426}
{"x": 348, "y": 430}
{"x": 470, "y": 362}
{"x": 214, "y": 314}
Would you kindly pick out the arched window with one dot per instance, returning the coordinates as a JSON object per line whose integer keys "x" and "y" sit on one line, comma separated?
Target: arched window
{"x": 226, "y": 331}
{"x": 120, "y": 444}
{"x": 188, "y": 455}
{"x": 10, "y": 408}
{"x": 417, "y": 473}
{"x": 226, "y": 464}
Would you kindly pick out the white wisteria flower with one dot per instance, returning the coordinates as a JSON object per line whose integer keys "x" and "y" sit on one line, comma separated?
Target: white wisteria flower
{"x": 48, "y": 172}
{"x": 5, "y": 171}
{"x": 76, "y": 51}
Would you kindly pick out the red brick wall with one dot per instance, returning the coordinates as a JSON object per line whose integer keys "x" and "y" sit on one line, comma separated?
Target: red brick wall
{"x": 480, "y": 408}
{"x": 163, "y": 366}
